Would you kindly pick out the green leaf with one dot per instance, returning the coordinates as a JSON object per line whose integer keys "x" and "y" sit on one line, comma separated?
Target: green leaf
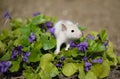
{"x": 103, "y": 35}
{"x": 95, "y": 47}
{"x": 39, "y": 19}
{"x": 34, "y": 57}
{"x": 81, "y": 53}
{"x": 47, "y": 18}
{"x": 5, "y": 32}
{"x": 5, "y": 36}
{"x": 23, "y": 40}
{"x": 25, "y": 30}
{"x": 101, "y": 70}
{"x": 35, "y": 54}
{"x": 82, "y": 38}
{"x": 16, "y": 23}
{"x": 17, "y": 42}
{"x": 106, "y": 69}
{"x": 81, "y": 71}
{"x": 6, "y": 56}
{"x": 46, "y": 58}
{"x": 82, "y": 28}
{"x": 69, "y": 60}
{"x": 30, "y": 74}
{"x": 111, "y": 55}
{"x": 15, "y": 66}
{"x": 74, "y": 52}
{"x": 90, "y": 75}
{"x": 118, "y": 58}
{"x": 53, "y": 19}
{"x": 69, "y": 69}
{"x": 94, "y": 34}
{"x": 48, "y": 69}
{"x": 42, "y": 19}
{"x": 16, "y": 32}
{"x": 66, "y": 53}
{"x": 2, "y": 47}
{"x": 48, "y": 41}
{"x": 26, "y": 49}
{"x": 97, "y": 70}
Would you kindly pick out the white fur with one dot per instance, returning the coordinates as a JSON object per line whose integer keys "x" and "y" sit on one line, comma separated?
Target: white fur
{"x": 65, "y": 36}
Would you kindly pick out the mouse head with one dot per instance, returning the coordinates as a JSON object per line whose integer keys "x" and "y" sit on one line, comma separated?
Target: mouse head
{"x": 71, "y": 31}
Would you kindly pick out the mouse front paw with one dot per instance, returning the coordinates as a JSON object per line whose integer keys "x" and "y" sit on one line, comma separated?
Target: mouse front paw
{"x": 56, "y": 52}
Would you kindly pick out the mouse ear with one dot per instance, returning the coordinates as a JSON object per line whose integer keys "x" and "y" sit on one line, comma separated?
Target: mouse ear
{"x": 77, "y": 24}
{"x": 64, "y": 27}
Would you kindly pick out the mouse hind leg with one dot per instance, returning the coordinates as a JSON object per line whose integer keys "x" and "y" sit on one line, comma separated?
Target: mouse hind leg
{"x": 67, "y": 46}
{"x": 59, "y": 43}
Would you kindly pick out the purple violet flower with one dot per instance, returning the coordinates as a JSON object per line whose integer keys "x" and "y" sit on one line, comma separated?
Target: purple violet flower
{"x": 98, "y": 60}
{"x": 52, "y": 30}
{"x": 86, "y": 69}
{"x": 87, "y": 66}
{"x": 90, "y": 37}
{"x": 25, "y": 57}
{"x": 72, "y": 44}
{"x": 32, "y": 37}
{"x": 14, "y": 54}
{"x": 7, "y": 15}
{"x": 27, "y": 54}
{"x": 58, "y": 65}
{"x": 94, "y": 61}
{"x": 63, "y": 58}
{"x": 36, "y": 13}
{"x": 106, "y": 43}
{"x": 15, "y": 51}
{"x": 85, "y": 59}
{"x": 82, "y": 46}
{"x": 4, "y": 66}
{"x": 61, "y": 65}
{"x": 19, "y": 49}
{"x": 49, "y": 24}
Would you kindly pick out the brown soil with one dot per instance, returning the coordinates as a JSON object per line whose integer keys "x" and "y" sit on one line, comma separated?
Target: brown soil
{"x": 94, "y": 14}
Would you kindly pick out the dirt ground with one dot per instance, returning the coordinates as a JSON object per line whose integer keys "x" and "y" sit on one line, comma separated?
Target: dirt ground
{"x": 94, "y": 14}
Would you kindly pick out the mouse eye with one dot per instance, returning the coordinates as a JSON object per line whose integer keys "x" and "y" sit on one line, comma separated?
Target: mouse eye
{"x": 72, "y": 30}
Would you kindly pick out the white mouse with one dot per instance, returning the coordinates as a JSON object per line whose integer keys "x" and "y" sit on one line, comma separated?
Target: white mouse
{"x": 65, "y": 31}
